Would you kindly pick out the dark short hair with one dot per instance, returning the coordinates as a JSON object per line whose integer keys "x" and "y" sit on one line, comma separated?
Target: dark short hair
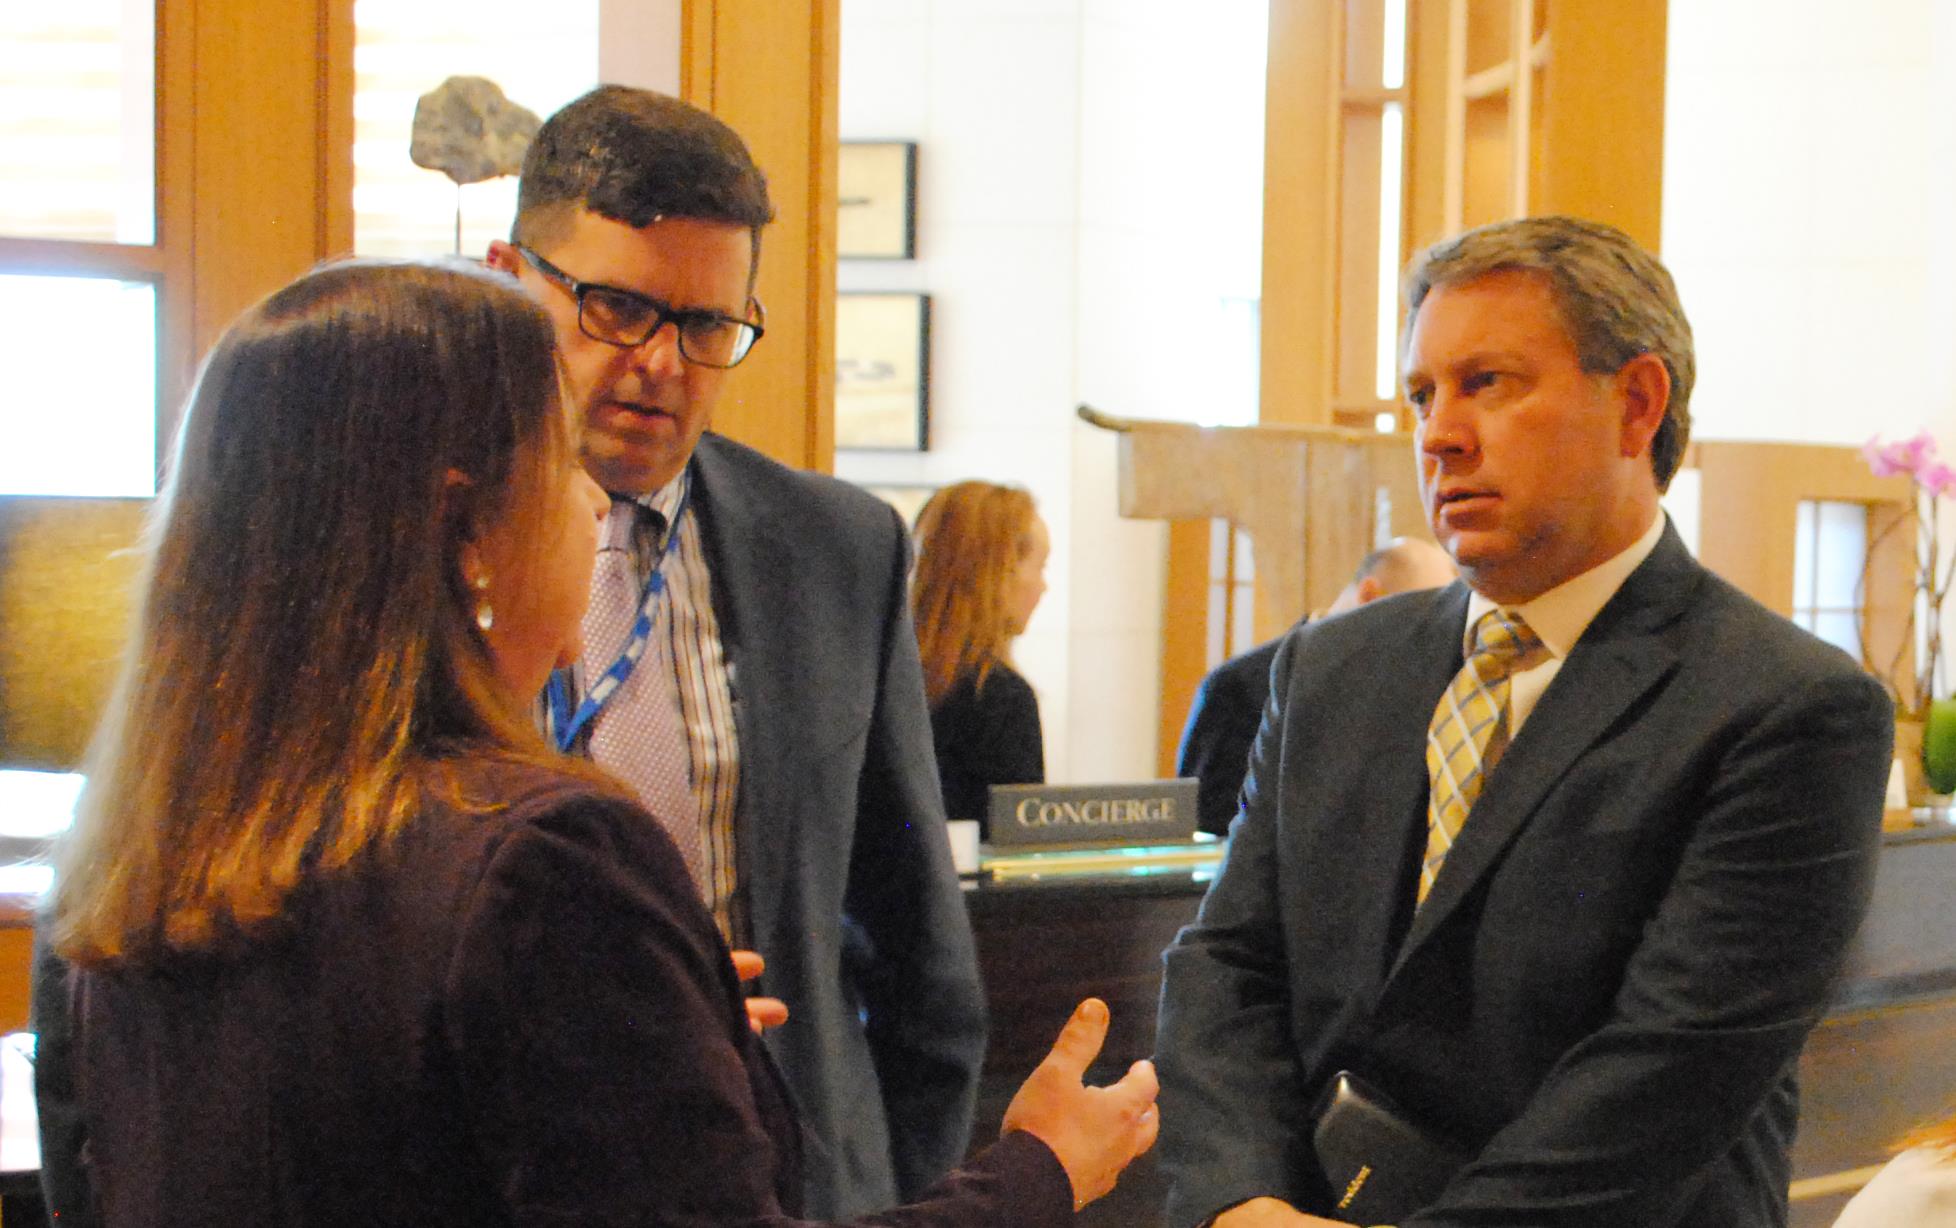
{"x": 634, "y": 156}
{"x": 1616, "y": 301}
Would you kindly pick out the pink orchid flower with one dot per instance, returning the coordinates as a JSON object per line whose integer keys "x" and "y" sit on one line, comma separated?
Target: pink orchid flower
{"x": 1914, "y": 457}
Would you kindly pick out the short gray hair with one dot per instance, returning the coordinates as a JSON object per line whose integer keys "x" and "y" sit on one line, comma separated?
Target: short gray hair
{"x": 1616, "y": 301}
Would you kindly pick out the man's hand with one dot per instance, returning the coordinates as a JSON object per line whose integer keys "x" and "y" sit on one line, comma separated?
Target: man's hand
{"x": 1271, "y": 1213}
{"x": 762, "y": 1013}
{"x": 1094, "y": 1131}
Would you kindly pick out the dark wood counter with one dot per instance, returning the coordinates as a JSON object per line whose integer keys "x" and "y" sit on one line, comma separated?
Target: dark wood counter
{"x": 1044, "y": 944}
{"x": 1875, "y": 1068}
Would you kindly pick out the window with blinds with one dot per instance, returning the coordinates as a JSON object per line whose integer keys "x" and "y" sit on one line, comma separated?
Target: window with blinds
{"x": 77, "y": 121}
{"x": 79, "y": 269}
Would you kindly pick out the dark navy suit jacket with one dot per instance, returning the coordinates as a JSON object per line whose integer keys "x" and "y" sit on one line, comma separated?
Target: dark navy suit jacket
{"x": 1222, "y": 724}
{"x": 1606, "y": 993}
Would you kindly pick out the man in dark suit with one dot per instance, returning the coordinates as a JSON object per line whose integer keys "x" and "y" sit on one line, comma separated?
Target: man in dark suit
{"x": 1229, "y": 704}
{"x": 1595, "y": 970}
{"x": 749, "y": 666}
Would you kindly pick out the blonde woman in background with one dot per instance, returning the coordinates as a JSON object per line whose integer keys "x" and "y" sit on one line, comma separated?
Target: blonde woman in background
{"x": 981, "y": 570}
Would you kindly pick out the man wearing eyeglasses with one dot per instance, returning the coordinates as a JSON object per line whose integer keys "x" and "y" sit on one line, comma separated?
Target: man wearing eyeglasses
{"x": 749, "y": 666}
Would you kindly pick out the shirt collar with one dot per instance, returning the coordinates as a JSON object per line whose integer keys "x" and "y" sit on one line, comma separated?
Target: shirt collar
{"x": 1561, "y": 615}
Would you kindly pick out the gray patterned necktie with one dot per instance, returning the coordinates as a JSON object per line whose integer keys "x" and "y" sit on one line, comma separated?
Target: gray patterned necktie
{"x": 640, "y": 734}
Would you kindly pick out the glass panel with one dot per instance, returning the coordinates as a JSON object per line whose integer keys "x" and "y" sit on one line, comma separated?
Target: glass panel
{"x": 1392, "y": 158}
{"x": 1843, "y": 549}
{"x": 1841, "y": 628}
{"x": 1393, "y": 45}
{"x": 1245, "y": 570}
{"x": 36, "y": 805}
{"x": 1806, "y": 543}
{"x": 81, "y": 418}
{"x": 1242, "y": 632}
{"x": 1218, "y": 551}
{"x": 1682, "y": 502}
{"x": 77, "y": 120}
{"x": 542, "y": 56}
{"x": 1215, "y": 645}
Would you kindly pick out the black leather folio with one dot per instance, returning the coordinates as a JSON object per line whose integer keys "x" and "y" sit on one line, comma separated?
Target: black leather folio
{"x": 1380, "y": 1166}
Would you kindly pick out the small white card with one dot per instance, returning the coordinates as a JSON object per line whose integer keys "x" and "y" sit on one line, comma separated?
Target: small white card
{"x": 964, "y": 845}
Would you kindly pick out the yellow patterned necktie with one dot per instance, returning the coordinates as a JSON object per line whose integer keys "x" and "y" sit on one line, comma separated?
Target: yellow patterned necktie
{"x": 1470, "y": 730}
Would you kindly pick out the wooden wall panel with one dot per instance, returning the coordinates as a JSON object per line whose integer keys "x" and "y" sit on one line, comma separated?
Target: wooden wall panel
{"x": 16, "y": 968}
{"x": 768, "y": 68}
{"x": 271, "y": 194}
{"x": 1603, "y": 115}
{"x": 1300, "y": 212}
{"x": 1750, "y": 495}
{"x": 1184, "y": 634}
{"x": 1747, "y": 513}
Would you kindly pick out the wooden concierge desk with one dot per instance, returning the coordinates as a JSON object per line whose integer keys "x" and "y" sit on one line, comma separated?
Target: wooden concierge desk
{"x": 1880, "y": 1063}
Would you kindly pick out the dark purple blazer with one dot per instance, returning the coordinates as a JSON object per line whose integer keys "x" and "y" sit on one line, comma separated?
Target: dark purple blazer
{"x": 519, "y": 1018}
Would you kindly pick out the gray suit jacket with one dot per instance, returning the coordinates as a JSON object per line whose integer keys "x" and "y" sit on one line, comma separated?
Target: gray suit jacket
{"x": 840, "y": 833}
{"x": 1605, "y": 995}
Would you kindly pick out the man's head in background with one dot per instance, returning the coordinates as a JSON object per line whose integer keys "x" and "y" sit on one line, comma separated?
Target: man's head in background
{"x": 1403, "y": 565}
{"x": 638, "y": 224}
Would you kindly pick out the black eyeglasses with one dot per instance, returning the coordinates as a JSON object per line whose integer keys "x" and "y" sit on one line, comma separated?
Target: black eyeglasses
{"x": 627, "y": 319}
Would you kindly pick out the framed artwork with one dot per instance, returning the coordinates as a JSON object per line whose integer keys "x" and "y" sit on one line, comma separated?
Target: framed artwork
{"x": 876, "y": 200}
{"x": 882, "y": 371}
{"x": 907, "y": 500}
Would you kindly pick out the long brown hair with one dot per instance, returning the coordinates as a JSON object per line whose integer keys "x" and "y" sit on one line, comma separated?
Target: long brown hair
{"x": 305, "y": 656}
{"x": 969, "y": 537}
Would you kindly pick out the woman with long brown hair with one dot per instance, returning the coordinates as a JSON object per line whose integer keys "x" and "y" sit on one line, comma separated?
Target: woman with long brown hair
{"x": 345, "y": 941}
{"x": 981, "y": 564}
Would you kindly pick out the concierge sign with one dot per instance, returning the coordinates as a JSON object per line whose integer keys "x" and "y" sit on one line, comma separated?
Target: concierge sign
{"x": 1092, "y": 816}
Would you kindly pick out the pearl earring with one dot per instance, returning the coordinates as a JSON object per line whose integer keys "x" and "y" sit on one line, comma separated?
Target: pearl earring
{"x": 485, "y": 617}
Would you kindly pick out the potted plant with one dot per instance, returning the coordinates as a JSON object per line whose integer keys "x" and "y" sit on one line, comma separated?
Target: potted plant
{"x": 1924, "y": 708}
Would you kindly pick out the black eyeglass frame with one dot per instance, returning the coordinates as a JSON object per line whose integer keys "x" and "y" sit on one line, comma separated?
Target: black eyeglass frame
{"x": 662, "y": 314}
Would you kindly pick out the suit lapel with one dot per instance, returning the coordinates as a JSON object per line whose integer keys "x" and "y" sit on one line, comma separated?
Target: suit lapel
{"x": 1624, "y": 654}
{"x": 1387, "y": 738}
{"x": 751, "y": 576}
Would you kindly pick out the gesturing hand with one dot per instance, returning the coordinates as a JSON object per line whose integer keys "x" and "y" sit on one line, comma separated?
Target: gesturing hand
{"x": 1095, "y": 1131}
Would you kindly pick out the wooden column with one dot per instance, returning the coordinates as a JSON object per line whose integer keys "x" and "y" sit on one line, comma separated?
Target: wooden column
{"x": 1300, "y": 212}
{"x": 267, "y": 141}
{"x": 1602, "y": 115}
{"x": 1184, "y": 634}
{"x": 768, "y": 68}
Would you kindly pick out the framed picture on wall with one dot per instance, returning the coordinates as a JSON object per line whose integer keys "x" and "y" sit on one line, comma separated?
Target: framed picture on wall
{"x": 882, "y": 371}
{"x": 876, "y": 200}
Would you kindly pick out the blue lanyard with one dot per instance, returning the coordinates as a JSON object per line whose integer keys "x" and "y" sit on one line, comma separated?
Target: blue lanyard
{"x": 565, "y": 724}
